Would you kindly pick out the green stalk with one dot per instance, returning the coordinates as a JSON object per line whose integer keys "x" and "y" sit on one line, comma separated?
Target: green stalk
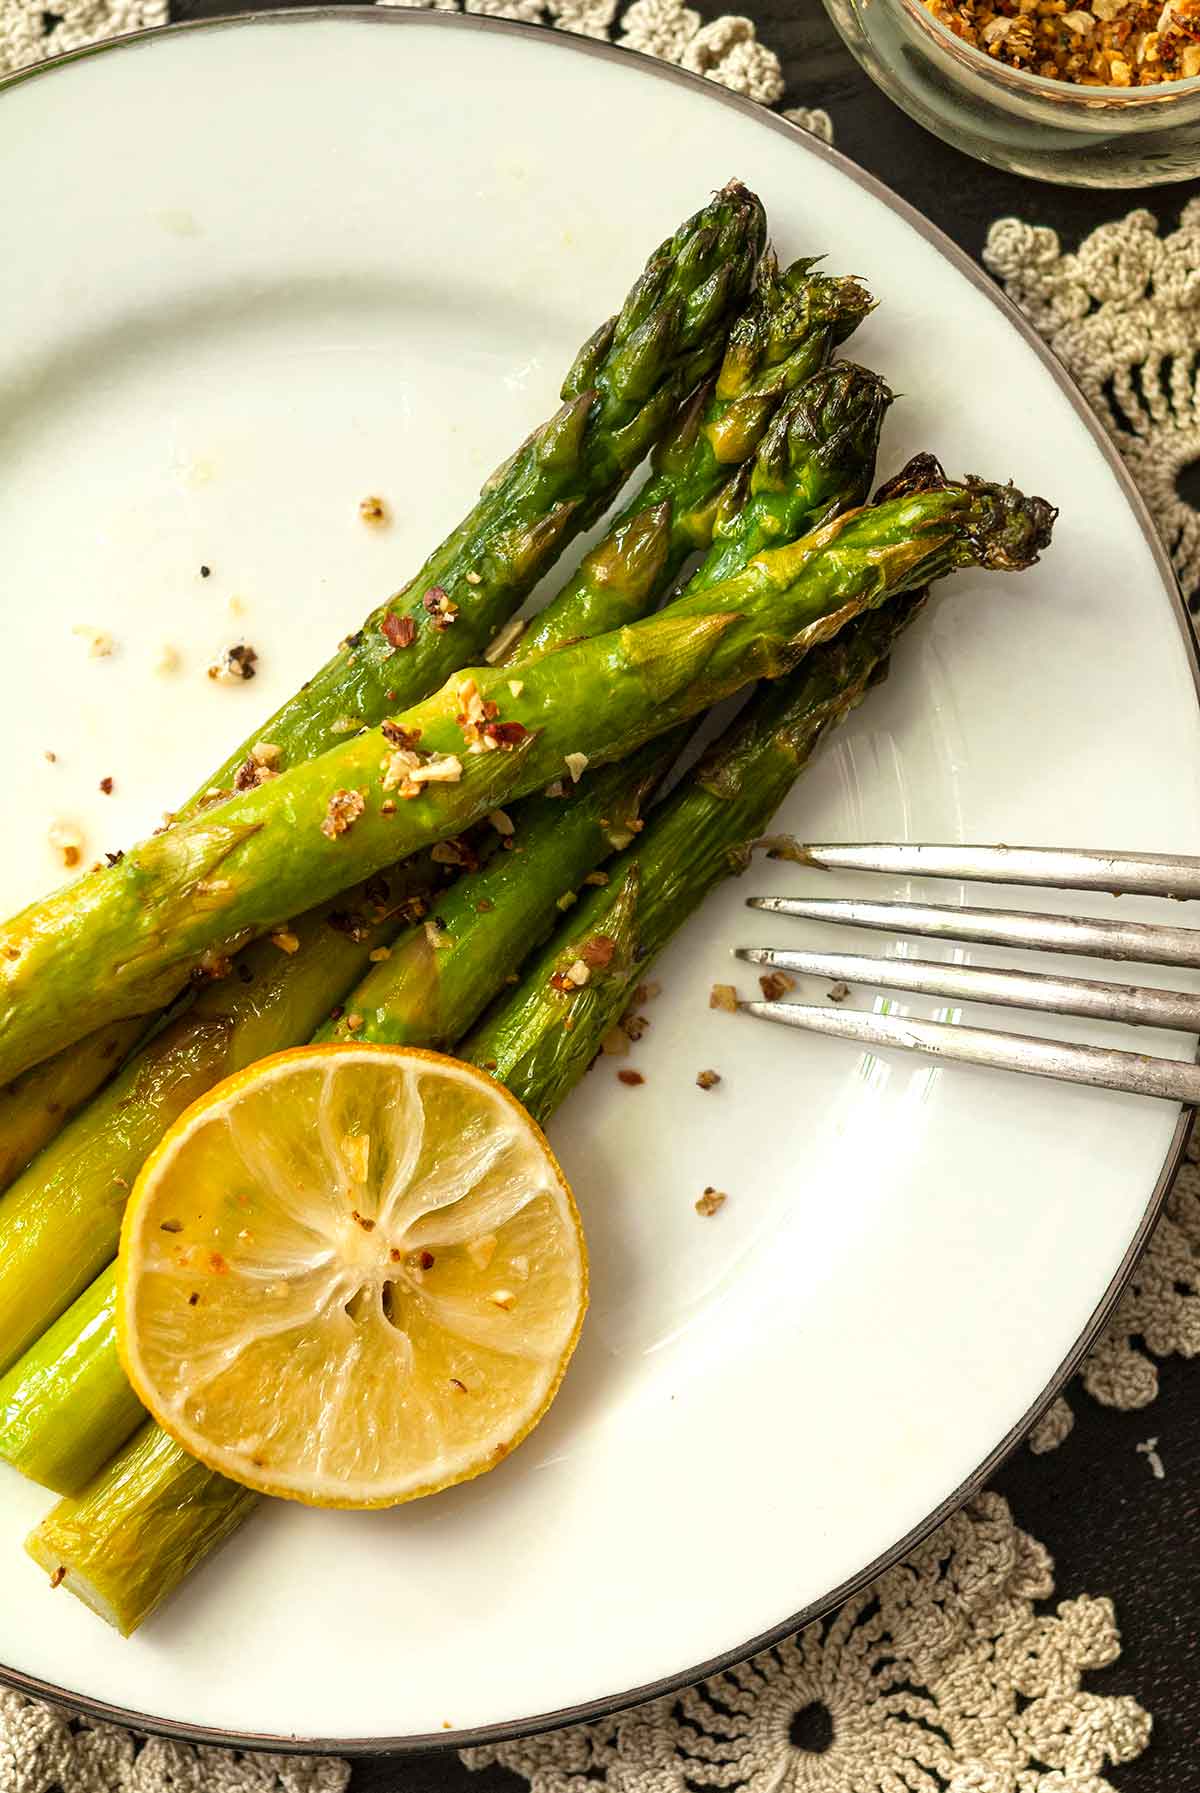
{"x": 154, "y": 1506}
{"x": 133, "y": 1534}
{"x": 621, "y": 393}
{"x": 127, "y": 938}
{"x": 442, "y": 972}
{"x": 38, "y": 1104}
{"x": 540, "y": 1039}
{"x": 60, "y": 1221}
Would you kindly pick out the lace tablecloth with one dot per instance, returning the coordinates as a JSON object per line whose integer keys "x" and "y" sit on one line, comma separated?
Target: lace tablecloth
{"x": 964, "y": 1669}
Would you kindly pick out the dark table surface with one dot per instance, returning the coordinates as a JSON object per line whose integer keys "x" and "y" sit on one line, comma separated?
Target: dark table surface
{"x": 1110, "y": 1526}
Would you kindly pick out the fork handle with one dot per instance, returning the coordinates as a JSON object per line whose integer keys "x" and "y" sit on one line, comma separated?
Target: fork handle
{"x": 1173, "y": 1080}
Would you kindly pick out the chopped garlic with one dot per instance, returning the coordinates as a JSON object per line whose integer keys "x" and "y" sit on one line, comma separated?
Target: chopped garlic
{"x": 516, "y": 686}
{"x": 578, "y": 973}
{"x": 503, "y": 1298}
{"x": 576, "y": 764}
{"x": 502, "y": 822}
{"x": 285, "y": 940}
{"x": 166, "y": 661}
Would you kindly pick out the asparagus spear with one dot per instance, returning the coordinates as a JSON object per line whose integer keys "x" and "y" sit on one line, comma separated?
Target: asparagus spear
{"x": 129, "y": 936}
{"x": 698, "y": 838}
{"x": 789, "y": 329}
{"x": 138, "y": 1529}
{"x": 440, "y": 975}
{"x": 618, "y": 397}
{"x": 36, "y": 1105}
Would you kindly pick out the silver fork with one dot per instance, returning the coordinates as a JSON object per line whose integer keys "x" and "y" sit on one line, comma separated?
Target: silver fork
{"x": 1143, "y": 874}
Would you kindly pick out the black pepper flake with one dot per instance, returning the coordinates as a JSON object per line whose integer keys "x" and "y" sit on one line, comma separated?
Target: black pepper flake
{"x": 114, "y": 858}
{"x": 344, "y": 921}
{"x": 245, "y": 973}
{"x": 206, "y": 572}
{"x": 193, "y": 1298}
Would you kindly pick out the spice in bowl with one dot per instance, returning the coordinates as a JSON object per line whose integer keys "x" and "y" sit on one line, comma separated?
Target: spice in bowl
{"x": 1092, "y": 43}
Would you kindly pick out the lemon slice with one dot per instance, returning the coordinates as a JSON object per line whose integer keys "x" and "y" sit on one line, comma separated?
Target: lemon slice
{"x": 351, "y": 1275}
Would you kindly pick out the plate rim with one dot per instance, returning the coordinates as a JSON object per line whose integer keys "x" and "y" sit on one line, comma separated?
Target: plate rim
{"x": 434, "y": 1743}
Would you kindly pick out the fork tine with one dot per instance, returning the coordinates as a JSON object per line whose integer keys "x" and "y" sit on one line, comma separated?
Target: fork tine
{"x": 1100, "y": 1067}
{"x": 1144, "y": 942}
{"x": 1099, "y": 1001}
{"x": 1063, "y": 868}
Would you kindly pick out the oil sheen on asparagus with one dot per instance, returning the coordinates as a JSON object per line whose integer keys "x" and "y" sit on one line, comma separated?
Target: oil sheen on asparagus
{"x": 621, "y": 393}
{"x": 140, "y": 927}
{"x": 58, "y": 1428}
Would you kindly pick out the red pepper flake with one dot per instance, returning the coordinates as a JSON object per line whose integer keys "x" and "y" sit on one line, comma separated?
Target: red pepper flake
{"x": 632, "y": 1078}
{"x": 404, "y": 739}
{"x": 775, "y": 984}
{"x": 598, "y": 951}
{"x": 485, "y": 906}
{"x": 562, "y": 983}
{"x": 708, "y": 1079}
{"x": 59, "y": 1576}
{"x": 426, "y": 1260}
{"x": 462, "y": 1389}
{"x": 218, "y": 1264}
{"x": 398, "y": 631}
{"x": 193, "y": 1298}
{"x": 368, "y": 1226}
{"x": 395, "y": 1254}
{"x": 106, "y": 785}
{"x": 506, "y": 735}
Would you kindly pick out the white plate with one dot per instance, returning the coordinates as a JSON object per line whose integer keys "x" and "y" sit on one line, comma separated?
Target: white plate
{"x": 257, "y": 271}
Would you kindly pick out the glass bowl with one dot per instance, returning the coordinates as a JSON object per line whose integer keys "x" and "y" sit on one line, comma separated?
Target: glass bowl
{"x": 1051, "y": 130}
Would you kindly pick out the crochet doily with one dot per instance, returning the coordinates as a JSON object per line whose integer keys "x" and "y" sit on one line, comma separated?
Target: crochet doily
{"x": 1123, "y": 315}
{"x": 952, "y": 1672}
